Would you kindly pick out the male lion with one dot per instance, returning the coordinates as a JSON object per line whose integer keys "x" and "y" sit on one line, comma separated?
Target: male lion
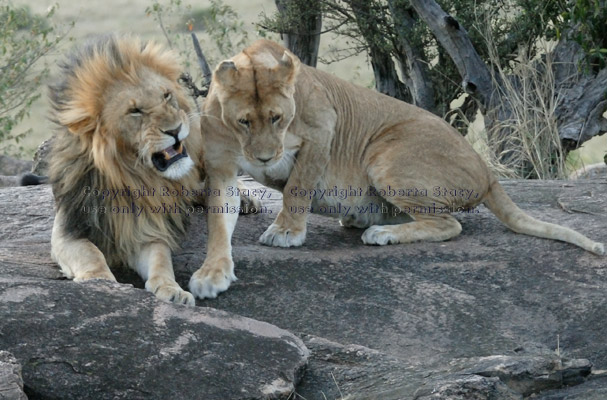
{"x": 125, "y": 165}
{"x": 313, "y": 136}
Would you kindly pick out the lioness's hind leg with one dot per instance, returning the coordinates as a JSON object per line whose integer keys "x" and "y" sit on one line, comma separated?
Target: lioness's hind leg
{"x": 249, "y": 204}
{"x": 424, "y": 228}
{"x": 154, "y": 265}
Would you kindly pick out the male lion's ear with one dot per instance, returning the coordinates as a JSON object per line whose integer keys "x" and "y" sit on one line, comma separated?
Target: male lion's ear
{"x": 225, "y": 73}
{"x": 288, "y": 67}
{"x": 77, "y": 122}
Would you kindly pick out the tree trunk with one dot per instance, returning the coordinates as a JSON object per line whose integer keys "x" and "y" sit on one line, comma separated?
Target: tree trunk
{"x": 414, "y": 66}
{"x": 386, "y": 77}
{"x": 305, "y": 22}
{"x": 582, "y": 102}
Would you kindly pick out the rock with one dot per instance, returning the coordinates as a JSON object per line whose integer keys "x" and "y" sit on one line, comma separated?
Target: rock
{"x": 593, "y": 171}
{"x": 11, "y": 383}
{"x": 102, "y": 340}
{"x": 593, "y": 389}
{"x": 9, "y": 181}
{"x": 468, "y": 387}
{"x": 485, "y": 293}
{"x": 389, "y": 322}
{"x": 527, "y": 371}
{"x": 532, "y": 373}
{"x": 336, "y": 371}
{"x": 10, "y": 166}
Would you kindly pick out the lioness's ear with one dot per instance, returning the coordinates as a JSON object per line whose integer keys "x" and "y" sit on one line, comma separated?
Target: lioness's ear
{"x": 225, "y": 73}
{"x": 288, "y": 68}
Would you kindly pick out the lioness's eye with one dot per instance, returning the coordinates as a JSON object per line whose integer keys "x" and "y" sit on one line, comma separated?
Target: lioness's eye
{"x": 244, "y": 122}
{"x": 276, "y": 118}
{"x": 168, "y": 96}
{"x": 135, "y": 111}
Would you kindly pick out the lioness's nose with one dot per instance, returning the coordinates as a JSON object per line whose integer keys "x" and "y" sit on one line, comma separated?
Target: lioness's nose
{"x": 264, "y": 160}
{"x": 173, "y": 132}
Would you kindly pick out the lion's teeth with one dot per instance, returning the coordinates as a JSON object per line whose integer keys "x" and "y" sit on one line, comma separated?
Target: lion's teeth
{"x": 166, "y": 155}
{"x": 180, "y": 148}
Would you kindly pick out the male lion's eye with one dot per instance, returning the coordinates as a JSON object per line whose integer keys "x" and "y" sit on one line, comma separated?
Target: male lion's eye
{"x": 168, "y": 96}
{"x": 244, "y": 122}
{"x": 135, "y": 111}
{"x": 276, "y": 118}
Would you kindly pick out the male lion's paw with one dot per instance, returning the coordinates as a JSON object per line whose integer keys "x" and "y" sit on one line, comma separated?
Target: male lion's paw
{"x": 379, "y": 235}
{"x": 175, "y": 294}
{"x": 169, "y": 290}
{"x": 102, "y": 273}
{"x": 208, "y": 282}
{"x": 249, "y": 204}
{"x": 278, "y": 236}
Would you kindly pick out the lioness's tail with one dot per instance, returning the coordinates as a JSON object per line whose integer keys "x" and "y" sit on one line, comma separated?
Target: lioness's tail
{"x": 514, "y": 218}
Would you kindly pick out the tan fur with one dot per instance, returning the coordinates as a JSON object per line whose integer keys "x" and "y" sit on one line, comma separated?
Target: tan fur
{"x": 333, "y": 134}
{"x": 103, "y": 144}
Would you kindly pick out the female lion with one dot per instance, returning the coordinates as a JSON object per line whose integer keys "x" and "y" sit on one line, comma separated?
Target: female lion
{"x": 330, "y": 146}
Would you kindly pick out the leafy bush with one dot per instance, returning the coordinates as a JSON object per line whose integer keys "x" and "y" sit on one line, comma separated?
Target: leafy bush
{"x": 222, "y": 31}
{"x": 24, "y": 39}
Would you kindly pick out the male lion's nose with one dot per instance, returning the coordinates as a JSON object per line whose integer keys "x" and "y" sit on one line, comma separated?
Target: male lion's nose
{"x": 173, "y": 132}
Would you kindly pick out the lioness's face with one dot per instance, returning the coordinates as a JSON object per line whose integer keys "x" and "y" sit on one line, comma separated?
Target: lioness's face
{"x": 260, "y": 128}
{"x": 257, "y": 104}
{"x": 147, "y": 121}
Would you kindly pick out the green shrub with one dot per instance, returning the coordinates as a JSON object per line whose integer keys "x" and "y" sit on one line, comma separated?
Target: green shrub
{"x": 24, "y": 39}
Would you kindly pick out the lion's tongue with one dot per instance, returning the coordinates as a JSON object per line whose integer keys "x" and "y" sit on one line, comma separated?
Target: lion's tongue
{"x": 170, "y": 152}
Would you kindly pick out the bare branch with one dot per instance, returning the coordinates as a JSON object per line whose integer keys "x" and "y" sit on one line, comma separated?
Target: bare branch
{"x": 202, "y": 61}
{"x": 476, "y": 76}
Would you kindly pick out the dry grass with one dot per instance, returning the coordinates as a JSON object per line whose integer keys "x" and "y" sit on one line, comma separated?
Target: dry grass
{"x": 529, "y": 137}
{"x": 532, "y": 144}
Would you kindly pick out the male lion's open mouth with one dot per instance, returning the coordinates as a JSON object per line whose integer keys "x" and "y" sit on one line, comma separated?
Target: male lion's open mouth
{"x": 167, "y": 157}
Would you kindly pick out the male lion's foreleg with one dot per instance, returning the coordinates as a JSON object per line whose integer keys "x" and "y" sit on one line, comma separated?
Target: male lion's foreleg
{"x": 423, "y": 228}
{"x": 217, "y": 271}
{"x": 154, "y": 265}
{"x": 79, "y": 259}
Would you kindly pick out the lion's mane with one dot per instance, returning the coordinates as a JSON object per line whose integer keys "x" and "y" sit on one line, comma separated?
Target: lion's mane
{"x": 86, "y": 155}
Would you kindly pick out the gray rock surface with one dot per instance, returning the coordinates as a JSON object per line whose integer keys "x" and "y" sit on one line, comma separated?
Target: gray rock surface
{"x": 11, "y": 382}
{"x": 102, "y": 340}
{"x": 10, "y": 170}
{"x": 14, "y": 166}
{"x": 392, "y": 322}
{"x": 594, "y": 389}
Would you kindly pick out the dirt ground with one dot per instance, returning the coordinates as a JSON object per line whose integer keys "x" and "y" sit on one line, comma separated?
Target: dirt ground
{"x": 116, "y": 16}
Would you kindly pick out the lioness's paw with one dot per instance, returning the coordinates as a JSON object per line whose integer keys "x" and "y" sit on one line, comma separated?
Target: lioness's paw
{"x": 249, "y": 204}
{"x": 278, "y": 236}
{"x": 209, "y": 282}
{"x": 380, "y": 235}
